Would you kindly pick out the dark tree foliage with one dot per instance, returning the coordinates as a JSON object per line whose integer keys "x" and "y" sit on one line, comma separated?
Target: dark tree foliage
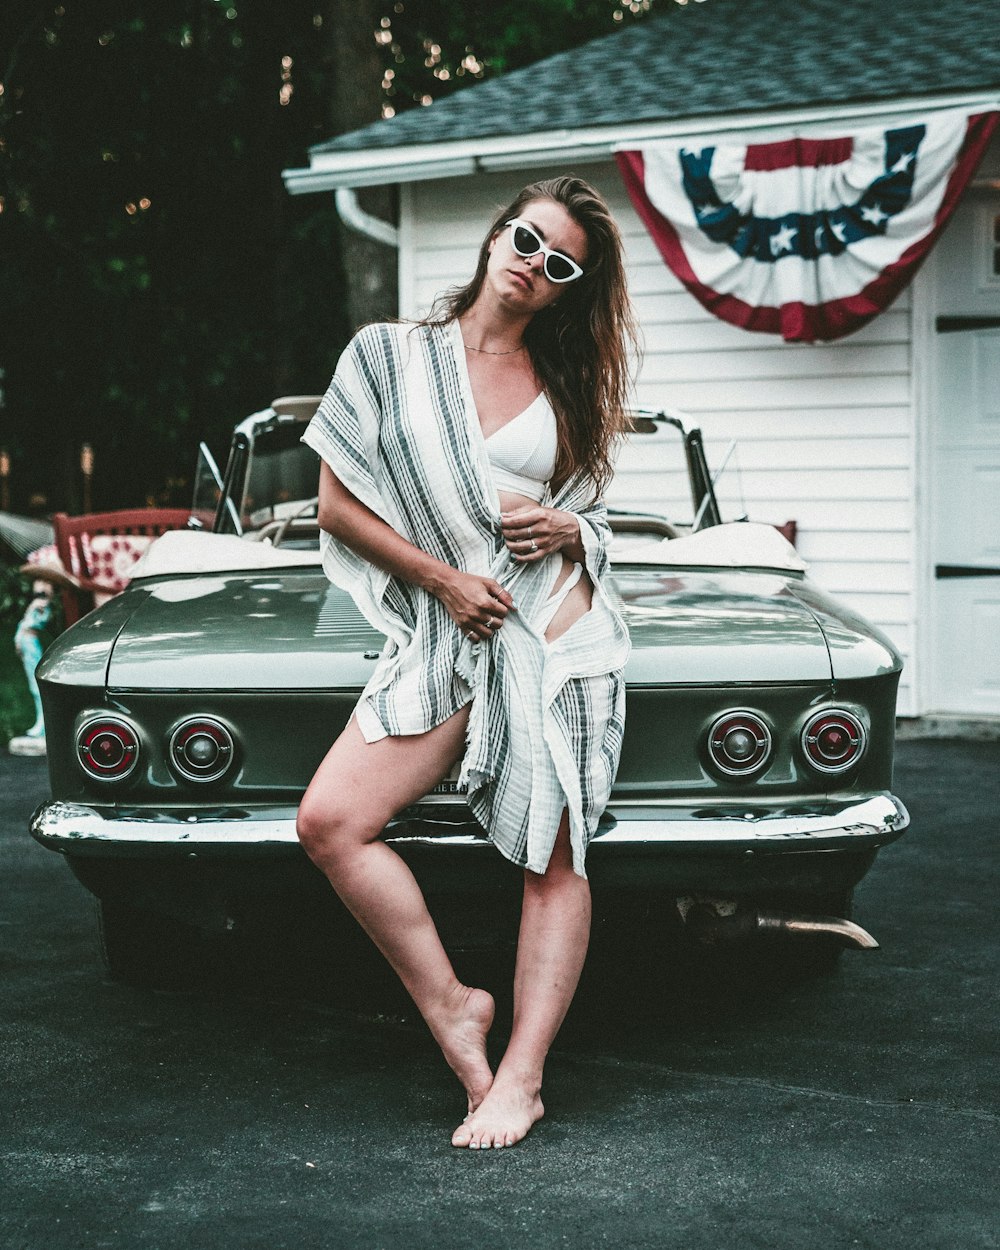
{"x": 371, "y": 286}
{"x": 157, "y": 282}
{"x": 431, "y": 47}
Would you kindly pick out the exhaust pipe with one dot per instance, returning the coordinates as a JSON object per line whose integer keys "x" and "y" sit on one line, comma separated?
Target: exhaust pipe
{"x": 718, "y": 922}
{"x": 846, "y": 931}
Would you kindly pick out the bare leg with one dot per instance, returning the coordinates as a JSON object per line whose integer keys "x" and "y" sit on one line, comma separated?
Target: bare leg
{"x": 552, "y": 946}
{"x": 551, "y": 949}
{"x": 357, "y": 789}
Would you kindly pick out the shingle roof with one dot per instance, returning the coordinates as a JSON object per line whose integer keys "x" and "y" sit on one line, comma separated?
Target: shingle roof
{"x": 722, "y": 56}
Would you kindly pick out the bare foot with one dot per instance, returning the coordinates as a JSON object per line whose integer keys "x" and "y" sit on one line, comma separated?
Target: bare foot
{"x": 461, "y": 1031}
{"x": 505, "y": 1115}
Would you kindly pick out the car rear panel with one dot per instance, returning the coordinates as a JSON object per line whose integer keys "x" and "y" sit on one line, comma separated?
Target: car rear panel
{"x": 281, "y": 737}
{"x": 281, "y": 662}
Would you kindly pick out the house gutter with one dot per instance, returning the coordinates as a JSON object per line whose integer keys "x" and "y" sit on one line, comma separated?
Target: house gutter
{"x": 420, "y": 162}
{"x": 355, "y": 218}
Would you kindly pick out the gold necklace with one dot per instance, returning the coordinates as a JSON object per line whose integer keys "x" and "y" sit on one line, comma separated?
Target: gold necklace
{"x": 486, "y": 351}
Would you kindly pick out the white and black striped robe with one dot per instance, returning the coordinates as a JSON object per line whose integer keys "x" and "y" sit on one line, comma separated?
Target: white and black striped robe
{"x": 399, "y": 428}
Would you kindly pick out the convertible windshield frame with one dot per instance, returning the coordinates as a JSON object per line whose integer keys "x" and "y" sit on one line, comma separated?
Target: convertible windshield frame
{"x": 274, "y": 432}
{"x": 264, "y": 434}
{"x": 647, "y": 421}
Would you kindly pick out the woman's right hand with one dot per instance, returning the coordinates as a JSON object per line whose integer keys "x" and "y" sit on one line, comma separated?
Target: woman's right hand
{"x": 477, "y": 605}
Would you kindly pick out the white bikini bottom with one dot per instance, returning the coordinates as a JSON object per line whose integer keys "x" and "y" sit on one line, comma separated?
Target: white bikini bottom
{"x": 555, "y": 601}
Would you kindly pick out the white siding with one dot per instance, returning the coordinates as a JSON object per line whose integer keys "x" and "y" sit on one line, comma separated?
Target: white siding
{"x": 824, "y": 434}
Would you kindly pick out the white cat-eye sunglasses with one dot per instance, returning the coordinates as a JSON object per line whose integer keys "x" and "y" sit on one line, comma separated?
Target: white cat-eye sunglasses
{"x": 557, "y": 266}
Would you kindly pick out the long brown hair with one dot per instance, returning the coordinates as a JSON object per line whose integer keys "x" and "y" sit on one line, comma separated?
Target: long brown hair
{"x": 579, "y": 345}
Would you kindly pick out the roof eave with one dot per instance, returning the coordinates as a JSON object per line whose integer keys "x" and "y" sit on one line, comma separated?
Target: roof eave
{"x": 419, "y": 162}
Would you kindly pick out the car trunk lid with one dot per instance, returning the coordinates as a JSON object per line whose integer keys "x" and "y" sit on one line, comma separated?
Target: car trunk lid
{"x": 297, "y": 632}
{"x": 246, "y": 631}
{"x": 708, "y": 627}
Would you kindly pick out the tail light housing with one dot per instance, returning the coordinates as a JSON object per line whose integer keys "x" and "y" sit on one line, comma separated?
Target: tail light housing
{"x": 833, "y": 740}
{"x": 739, "y": 744}
{"x": 108, "y": 748}
{"x": 201, "y": 749}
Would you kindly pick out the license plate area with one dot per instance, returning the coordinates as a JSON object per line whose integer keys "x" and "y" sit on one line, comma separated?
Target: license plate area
{"x": 449, "y": 784}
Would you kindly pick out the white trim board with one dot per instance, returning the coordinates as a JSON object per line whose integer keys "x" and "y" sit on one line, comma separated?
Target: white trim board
{"x": 417, "y": 162}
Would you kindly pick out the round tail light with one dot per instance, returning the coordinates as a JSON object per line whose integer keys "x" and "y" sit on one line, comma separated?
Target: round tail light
{"x": 107, "y": 748}
{"x": 833, "y": 740}
{"x": 201, "y": 749}
{"x": 739, "y": 743}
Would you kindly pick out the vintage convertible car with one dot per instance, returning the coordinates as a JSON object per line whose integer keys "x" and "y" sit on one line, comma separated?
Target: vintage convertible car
{"x": 186, "y": 716}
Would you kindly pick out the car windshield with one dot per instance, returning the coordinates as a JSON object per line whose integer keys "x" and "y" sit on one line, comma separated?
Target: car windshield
{"x": 271, "y": 485}
{"x": 661, "y": 489}
{"x": 283, "y": 477}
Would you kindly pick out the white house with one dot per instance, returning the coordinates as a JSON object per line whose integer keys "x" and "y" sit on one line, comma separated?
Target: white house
{"x": 883, "y": 446}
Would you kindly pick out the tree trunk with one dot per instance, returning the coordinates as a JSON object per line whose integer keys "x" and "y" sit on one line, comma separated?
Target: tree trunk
{"x": 356, "y": 66}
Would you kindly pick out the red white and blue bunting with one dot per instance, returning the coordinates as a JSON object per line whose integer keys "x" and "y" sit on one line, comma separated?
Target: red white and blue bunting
{"x": 806, "y": 238}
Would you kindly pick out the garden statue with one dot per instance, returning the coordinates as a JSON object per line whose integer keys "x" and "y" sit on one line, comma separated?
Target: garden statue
{"x": 29, "y": 646}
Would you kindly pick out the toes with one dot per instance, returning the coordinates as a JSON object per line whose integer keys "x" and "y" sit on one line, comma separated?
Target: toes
{"x": 474, "y": 1137}
{"x": 483, "y": 1139}
{"x": 480, "y": 1139}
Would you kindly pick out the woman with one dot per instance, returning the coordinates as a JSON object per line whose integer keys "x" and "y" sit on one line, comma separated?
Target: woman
{"x": 463, "y": 460}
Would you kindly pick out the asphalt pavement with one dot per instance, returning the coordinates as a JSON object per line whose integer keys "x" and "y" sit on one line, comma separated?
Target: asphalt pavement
{"x": 282, "y": 1105}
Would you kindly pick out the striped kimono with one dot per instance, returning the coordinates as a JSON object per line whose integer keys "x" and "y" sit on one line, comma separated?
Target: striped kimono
{"x": 399, "y": 428}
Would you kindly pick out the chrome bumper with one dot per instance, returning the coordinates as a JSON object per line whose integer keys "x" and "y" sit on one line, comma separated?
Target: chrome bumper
{"x": 640, "y": 829}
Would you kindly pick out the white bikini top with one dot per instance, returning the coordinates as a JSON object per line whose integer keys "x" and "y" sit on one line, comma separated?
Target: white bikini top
{"x": 522, "y": 453}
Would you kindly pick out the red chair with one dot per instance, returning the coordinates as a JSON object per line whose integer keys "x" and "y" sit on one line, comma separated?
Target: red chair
{"x": 97, "y": 551}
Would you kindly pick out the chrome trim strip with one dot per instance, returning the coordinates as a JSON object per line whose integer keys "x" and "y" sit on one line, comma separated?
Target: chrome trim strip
{"x": 79, "y": 830}
{"x": 881, "y": 814}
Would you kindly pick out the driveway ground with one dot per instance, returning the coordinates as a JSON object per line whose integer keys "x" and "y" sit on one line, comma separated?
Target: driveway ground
{"x": 277, "y": 1108}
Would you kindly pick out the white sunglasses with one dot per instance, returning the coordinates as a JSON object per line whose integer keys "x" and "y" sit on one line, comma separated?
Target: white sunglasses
{"x": 557, "y": 266}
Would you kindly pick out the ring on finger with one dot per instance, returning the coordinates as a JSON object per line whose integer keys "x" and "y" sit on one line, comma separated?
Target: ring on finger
{"x": 491, "y": 623}
{"x": 534, "y": 545}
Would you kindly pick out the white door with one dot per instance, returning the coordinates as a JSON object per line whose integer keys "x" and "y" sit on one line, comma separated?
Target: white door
{"x": 965, "y": 463}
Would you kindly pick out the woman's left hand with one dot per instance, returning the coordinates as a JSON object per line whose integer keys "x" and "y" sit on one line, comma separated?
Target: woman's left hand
{"x": 532, "y": 533}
